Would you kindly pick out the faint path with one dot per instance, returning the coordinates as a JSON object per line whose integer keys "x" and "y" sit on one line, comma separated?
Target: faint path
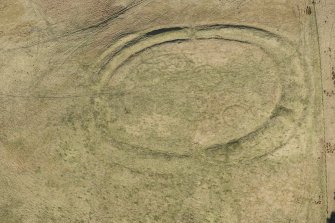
{"x": 325, "y": 10}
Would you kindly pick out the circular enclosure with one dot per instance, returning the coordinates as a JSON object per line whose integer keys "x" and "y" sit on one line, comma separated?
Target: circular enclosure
{"x": 232, "y": 93}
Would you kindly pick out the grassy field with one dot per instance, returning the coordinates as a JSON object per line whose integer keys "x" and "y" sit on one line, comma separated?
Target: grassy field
{"x": 155, "y": 111}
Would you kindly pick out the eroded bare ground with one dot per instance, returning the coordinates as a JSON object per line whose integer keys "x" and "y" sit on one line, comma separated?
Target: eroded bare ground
{"x": 161, "y": 111}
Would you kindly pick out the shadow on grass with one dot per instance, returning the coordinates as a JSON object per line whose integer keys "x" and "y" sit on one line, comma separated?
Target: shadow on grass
{"x": 332, "y": 218}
